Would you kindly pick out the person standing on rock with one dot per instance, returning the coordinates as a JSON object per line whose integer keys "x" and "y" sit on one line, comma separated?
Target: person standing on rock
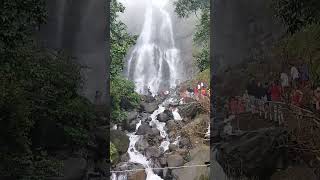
{"x": 294, "y": 75}
{"x": 285, "y": 85}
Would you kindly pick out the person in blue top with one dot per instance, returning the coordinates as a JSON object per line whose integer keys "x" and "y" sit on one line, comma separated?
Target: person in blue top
{"x": 304, "y": 74}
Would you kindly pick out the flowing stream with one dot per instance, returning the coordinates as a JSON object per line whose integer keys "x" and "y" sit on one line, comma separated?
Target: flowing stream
{"x": 154, "y": 61}
{"x": 137, "y": 157}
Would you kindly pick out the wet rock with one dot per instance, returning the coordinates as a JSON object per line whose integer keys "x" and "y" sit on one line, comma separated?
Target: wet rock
{"x": 152, "y": 152}
{"x": 157, "y": 164}
{"x": 175, "y": 160}
{"x": 132, "y": 125}
{"x": 163, "y": 161}
{"x": 190, "y": 110}
{"x": 148, "y": 120}
{"x": 165, "y": 116}
{"x": 141, "y": 144}
{"x": 132, "y": 115}
{"x": 120, "y": 140}
{"x": 199, "y": 155}
{"x": 137, "y": 175}
{"x": 144, "y": 129}
{"x": 184, "y": 142}
{"x": 154, "y": 140}
{"x": 173, "y": 147}
{"x": 171, "y": 125}
{"x": 134, "y": 175}
{"x": 155, "y": 132}
{"x": 149, "y": 107}
{"x": 148, "y": 99}
{"x": 125, "y": 157}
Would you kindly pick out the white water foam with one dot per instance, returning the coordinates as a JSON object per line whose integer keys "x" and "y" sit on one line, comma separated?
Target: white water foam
{"x": 136, "y": 157}
{"x": 154, "y": 61}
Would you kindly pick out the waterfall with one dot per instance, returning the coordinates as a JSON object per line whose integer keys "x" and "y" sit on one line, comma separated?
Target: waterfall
{"x": 154, "y": 61}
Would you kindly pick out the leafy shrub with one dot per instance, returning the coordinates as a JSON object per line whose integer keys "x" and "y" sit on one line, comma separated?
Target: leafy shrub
{"x": 114, "y": 155}
{"x": 120, "y": 88}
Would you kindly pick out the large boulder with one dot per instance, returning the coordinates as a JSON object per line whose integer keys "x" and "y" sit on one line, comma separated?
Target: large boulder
{"x": 165, "y": 116}
{"x": 175, "y": 160}
{"x": 132, "y": 115}
{"x": 173, "y": 147}
{"x": 142, "y": 144}
{"x": 200, "y": 155}
{"x": 120, "y": 140}
{"x": 171, "y": 125}
{"x": 149, "y": 107}
{"x": 137, "y": 175}
{"x": 133, "y": 175}
{"x": 144, "y": 129}
{"x": 152, "y": 152}
{"x": 130, "y": 122}
{"x": 255, "y": 153}
{"x": 155, "y": 132}
{"x": 190, "y": 110}
{"x": 148, "y": 98}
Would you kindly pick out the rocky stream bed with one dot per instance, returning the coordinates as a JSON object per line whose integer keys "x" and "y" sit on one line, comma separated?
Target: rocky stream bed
{"x": 162, "y": 133}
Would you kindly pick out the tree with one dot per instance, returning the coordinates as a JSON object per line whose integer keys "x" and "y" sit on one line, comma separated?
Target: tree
{"x": 184, "y": 8}
{"x": 38, "y": 92}
{"x": 296, "y": 14}
{"x": 121, "y": 88}
{"x": 120, "y": 39}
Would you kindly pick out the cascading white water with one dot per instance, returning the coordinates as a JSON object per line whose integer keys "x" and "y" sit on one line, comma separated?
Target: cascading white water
{"x": 137, "y": 157}
{"x": 154, "y": 61}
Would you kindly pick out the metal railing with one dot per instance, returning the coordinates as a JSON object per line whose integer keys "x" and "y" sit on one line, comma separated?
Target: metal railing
{"x": 302, "y": 124}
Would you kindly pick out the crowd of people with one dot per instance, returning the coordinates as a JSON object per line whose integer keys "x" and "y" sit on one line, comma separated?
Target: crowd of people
{"x": 293, "y": 86}
{"x": 200, "y": 90}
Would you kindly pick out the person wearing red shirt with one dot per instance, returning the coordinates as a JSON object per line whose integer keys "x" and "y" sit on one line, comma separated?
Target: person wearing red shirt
{"x": 296, "y": 97}
{"x": 196, "y": 91}
{"x": 203, "y": 92}
{"x": 275, "y": 91}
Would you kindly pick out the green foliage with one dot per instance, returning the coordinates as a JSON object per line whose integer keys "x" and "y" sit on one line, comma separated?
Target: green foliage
{"x": 114, "y": 155}
{"x": 36, "y": 85}
{"x": 303, "y": 45}
{"x": 28, "y": 166}
{"x": 296, "y": 14}
{"x": 184, "y": 8}
{"x": 76, "y": 136}
{"x": 121, "y": 88}
{"x": 18, "y": 20}
{"x": 202, "y": 58}
{"x": 121, "y": 41}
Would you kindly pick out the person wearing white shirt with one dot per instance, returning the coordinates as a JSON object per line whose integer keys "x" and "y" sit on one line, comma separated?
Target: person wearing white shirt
{"x": 294, "y": 75}
{"x": 284, "y": 80}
